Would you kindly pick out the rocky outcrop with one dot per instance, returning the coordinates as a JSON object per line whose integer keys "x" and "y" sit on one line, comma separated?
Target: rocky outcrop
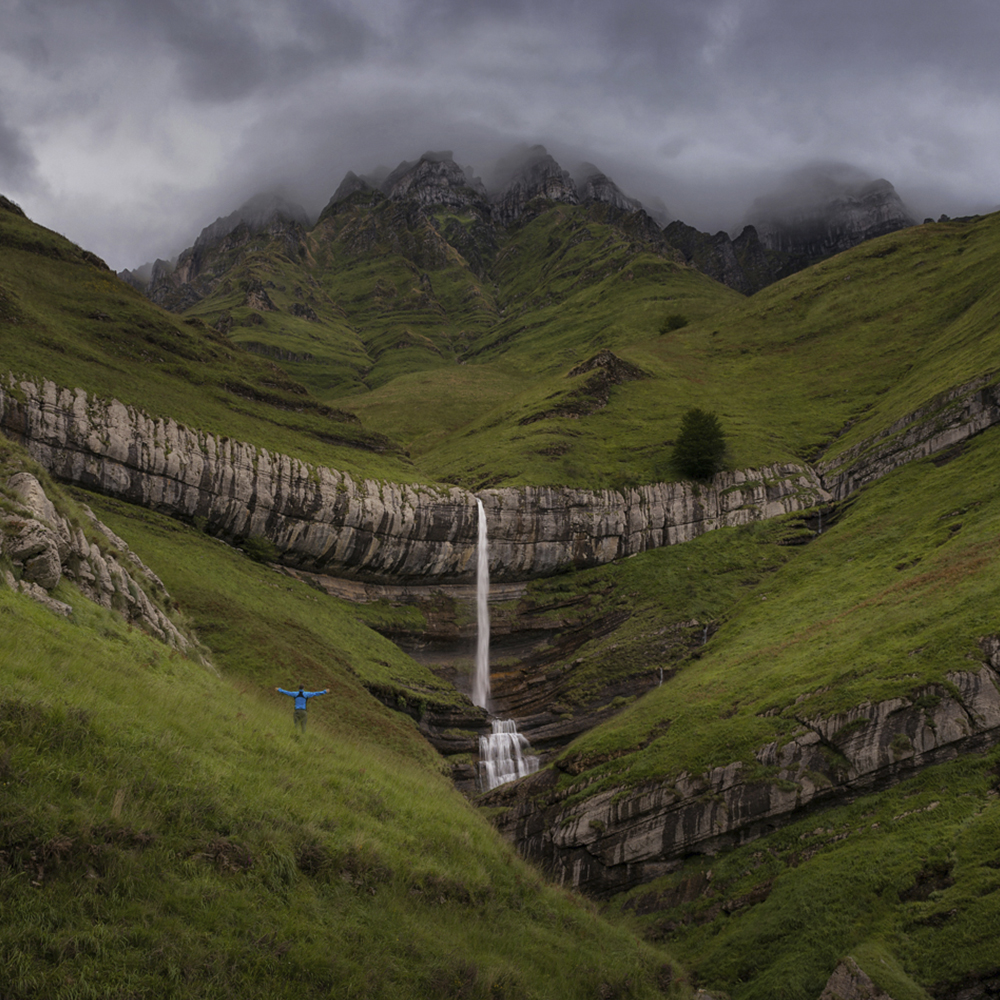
{"x": 850, "y": 982}
{"x": 350, "y": 185}
{"x": 436, "y": 179}
{"x": 741, "y": 264}
{"x": 259, "y": 214}
{"x": 825, "y": 210}
{"x": 597, "y": 186}
{"x": 179, "y": 284}
{"x": 535, "y": 175}
{"x": 323, "y": 521}
{"x": 43, "y": 546}
{"x": 607, "y": 370}
{"x": 139, "y": 278}
{"x": 937, "y": 428}
{"x": 621, "y": 837}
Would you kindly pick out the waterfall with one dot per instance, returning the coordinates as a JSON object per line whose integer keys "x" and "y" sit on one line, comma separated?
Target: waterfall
{"x": 500, "y": 756}
{"x": 481, "y": 680}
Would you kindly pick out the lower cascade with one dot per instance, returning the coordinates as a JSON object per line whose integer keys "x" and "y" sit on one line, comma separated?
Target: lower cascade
{"x": 500, "y": 755}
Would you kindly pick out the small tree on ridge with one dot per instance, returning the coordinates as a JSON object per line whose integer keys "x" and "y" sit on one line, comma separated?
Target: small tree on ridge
{"x": 700, "y": 446}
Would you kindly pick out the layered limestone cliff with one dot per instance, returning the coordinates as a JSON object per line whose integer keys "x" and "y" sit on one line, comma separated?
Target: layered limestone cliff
{"x": 324, "y": 521}
{"x": 621, "y": 837}
{"x": 43, "y": 546}
{"x": 940, "y": 425}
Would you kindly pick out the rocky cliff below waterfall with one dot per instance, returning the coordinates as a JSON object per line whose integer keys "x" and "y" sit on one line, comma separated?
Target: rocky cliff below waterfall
{"x": 619, "y": 837}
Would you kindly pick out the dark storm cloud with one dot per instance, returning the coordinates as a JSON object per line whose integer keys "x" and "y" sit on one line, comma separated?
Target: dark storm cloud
{"x": 227, "y": 51}
{"x": 146, "y": 120}
{"x": 221, "y": 51}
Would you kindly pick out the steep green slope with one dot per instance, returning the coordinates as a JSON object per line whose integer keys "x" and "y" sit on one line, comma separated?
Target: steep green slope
{"x": 904, "y": 881}
{"x": 373, "y": 292}
{"x": 569, "y": 287}
{"x": 68, "y": 319}
{"x": 163, "y": 832}
{"x": 840, "y": 351}
{"x": 478, "y": 370}
{"x": 411, "y": 295}
{"x": 890, "y": 598}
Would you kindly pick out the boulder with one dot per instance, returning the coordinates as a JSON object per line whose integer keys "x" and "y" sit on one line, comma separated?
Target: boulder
{"x": 850, "y": 982}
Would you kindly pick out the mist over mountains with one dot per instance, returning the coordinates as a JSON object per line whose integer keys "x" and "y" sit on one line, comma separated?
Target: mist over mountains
{"x": 811, "y": 213}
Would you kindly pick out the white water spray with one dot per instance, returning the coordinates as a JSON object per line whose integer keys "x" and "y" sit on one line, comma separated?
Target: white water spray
{"x": 501, "y": 759}
{"x": 481, "y": 680}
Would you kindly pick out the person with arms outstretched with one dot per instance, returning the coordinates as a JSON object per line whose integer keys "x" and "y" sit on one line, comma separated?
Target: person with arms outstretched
{"x": 301, "y": 701}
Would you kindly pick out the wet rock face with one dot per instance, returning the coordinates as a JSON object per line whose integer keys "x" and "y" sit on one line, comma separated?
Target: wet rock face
{"x": 619, "y": 838}
{"x": 323, "y": 521}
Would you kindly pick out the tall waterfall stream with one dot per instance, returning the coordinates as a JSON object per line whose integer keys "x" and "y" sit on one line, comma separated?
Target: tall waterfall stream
{"x": 500, "y": 753}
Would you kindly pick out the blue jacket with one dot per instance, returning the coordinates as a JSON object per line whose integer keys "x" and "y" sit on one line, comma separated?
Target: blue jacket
{"x": 301, "y": 696}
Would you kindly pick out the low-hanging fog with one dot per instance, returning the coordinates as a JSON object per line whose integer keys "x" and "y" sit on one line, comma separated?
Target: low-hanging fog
{"x": 129, "y": 125}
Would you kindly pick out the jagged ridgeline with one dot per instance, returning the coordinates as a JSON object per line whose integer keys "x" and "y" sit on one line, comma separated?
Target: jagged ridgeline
{"x": 771, "y": 748}
{"x": 427, "y": 305}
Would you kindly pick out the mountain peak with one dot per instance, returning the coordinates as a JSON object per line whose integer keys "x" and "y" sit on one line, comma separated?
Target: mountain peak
{"x": 531, "y": 173}
{"x": 258, "y": 213}
{"x": 827, "y": 208}
{"x": 436, "y": 179}
{"x": 597, "y": 186}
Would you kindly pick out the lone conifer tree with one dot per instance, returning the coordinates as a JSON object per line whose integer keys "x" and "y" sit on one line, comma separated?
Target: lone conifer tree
{"x": 700, "y": 446}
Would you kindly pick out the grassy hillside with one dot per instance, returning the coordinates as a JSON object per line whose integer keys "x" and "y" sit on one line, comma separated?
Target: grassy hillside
{"x": 163, "y": 831}
{"x": 471, "y": 369}
{"x": 891, "y": 597}
{"x": 69, "y": 319}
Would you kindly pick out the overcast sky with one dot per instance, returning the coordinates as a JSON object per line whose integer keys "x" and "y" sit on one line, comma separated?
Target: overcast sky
{"x": 128, "y": 125}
